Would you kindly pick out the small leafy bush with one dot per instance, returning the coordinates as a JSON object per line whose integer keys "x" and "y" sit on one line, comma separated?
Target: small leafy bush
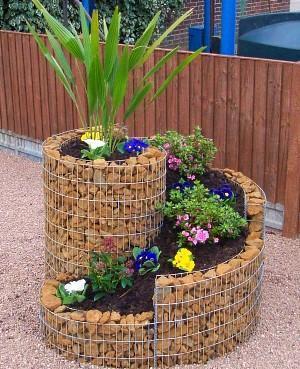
{"x": 202, "y": 217}
{"x": 108, "y": 273}
{"x": 189, "y": 155}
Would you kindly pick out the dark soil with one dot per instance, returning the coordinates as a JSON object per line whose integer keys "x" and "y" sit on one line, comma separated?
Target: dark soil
{"x": 74, "y": 146}
{"x": 139, "y": 297}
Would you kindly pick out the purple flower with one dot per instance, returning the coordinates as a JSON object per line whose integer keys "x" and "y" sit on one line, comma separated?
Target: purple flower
{"x": 135, "y": 145}
{"x": 224, "y": 192}
{"x": 144, "y": 256}
{"x": 173, "y": 162}
{"x": 182, "y": 185}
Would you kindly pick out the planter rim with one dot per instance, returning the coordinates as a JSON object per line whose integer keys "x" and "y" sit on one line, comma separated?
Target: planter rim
{"x": 90, "y": 163}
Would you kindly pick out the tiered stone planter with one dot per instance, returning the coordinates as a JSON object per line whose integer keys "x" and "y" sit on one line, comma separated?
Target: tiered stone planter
{"x": 87, "y": 202}
{"x": 196, "y": 316}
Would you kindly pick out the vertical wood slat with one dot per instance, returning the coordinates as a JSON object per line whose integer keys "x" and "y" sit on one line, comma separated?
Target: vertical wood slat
{"x": 246, "y": 115}
{"x": 183, "y": 98}
{"x": 10, "y": 113}
{"x": 286, "y": 95}
{"x": 272, "y": 130}
{"x": 149, "y": 106}
{"x": 220, "y": 110}
{"x": 3, "y": 103}
{"x": 233, "y": 114}
{"x": 259, "y": 118}
{"x": 292, "y": 193}
{"x": 172, "y": 97}
{"x": 208, "y": 95}
{"x": 160, "y": 102}
{"x": 195, "y": 84}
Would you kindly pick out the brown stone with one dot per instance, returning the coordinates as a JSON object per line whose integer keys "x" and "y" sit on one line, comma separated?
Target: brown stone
{"x": 115, "y": 317}
{"x": 51, "y": 302}
{"x": 163, "y": 281}
{"x": 93, "y": 316}
{"x": 143, "y": 160}
{"x": 105, "y": 317}
{"x": 100, "y": 163}
{"x": 48, "y": 290}
{"x": 250, "y": 254}
{"x": 254, "y": 209}
{"x": 256, "y": 243}
{"x": 235, "y": 263}
{"x": 52, "y": 282}
{"x": 78, "y": 316}
{"x": 223, "y": 269}
{"x": 210, "y": 274}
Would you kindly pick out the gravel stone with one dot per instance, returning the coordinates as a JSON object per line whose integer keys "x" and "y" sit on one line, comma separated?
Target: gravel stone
{"x": 275, "y": 345}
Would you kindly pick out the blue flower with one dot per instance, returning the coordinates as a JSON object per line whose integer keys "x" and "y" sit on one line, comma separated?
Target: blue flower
{"x": 144, "y": 256}
{"x": 224, "y": 192}
{"x": 182, "y": 185}
{"x": 135, "y": 145}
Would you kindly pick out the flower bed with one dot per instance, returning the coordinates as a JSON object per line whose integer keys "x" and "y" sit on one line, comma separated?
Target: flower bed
{"x": 88, "y": 202}
{"x": 196, "y": 316}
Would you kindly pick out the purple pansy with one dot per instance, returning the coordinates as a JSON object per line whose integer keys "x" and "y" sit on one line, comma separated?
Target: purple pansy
{"x": 135, "y": 145}
{"x": 144, "y": 256}
{"x": 224, "y": 192}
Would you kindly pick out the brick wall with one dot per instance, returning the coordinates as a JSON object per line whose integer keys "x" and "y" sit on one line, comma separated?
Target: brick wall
{"x": 180, "y": 35}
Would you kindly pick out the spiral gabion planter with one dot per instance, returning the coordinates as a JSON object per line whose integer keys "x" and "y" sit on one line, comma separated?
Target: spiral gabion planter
{"x": 196, "y": 316}
{"x": 88, "y": 201}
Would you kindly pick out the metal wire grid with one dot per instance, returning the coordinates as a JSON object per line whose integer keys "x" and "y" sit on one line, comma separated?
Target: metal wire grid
{"x": 193, "y": 323}
{"x": 85, "y": 204}
{"x": 112, "y": 345}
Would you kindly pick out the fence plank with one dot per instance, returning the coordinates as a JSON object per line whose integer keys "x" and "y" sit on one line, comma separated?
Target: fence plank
{"x": 292, "y": 193}
{"x": 149, "y": 106}
{"x": 259, "y": 118}
{"x": 208, "y": 95}
{"x": 220, "y": 110}
{"x": 286, "y": 89}
{"x": 246, "y": 116}
{"x": 172, "y": 97}
{"x": 3, "y": 103}
{"x": 233, "y": 113}
{"x": 272, "y": 130}
{"x": 195, "y": 83}
{"x": 160, "y": 102}
{"x": 139, "y": 117}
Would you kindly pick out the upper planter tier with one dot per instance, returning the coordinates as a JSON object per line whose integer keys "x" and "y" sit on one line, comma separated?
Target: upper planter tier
{"x": 95, "y": 205}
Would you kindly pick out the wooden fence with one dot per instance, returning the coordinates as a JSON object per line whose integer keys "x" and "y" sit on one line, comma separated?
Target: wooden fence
{"x": 250, "y": 107}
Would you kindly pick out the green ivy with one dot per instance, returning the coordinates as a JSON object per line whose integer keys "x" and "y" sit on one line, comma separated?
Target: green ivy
{"x": 136, "y": 14}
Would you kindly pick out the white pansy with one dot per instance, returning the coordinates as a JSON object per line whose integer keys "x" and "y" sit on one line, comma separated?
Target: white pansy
{"x": 75, "y": 286}
{"x": 94, "y": 144}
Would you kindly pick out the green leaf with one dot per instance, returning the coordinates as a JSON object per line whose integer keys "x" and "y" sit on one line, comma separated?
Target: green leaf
{"x": 111, "y": 44}
{"x": 60, "y": 56}
{"x": 65, "y": 37}
{"x": 161, "y": 63}
{"x": 166, "y": 33}
{"x": 99, "y": 295}
{"x": 121, "y": 80}
{"x": 176, "y": 71}
{"x": 105, "y": 29}
{"x": 136, "y": 251}
{"x": 142, "y": 43}
{"x": 120, "y": 147}
{"x": 137, "y": 98}
{"x": 53, "y": 62}
{"x": 156, "y": 251}
{"x": 148, "y": 264}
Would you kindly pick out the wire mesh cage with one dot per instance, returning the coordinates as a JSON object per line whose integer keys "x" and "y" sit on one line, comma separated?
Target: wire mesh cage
{"x": 98, "y": 205}
{"x": 196, "y": 316}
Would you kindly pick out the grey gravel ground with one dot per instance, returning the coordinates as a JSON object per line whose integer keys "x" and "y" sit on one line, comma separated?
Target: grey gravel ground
{"x": 275, "y": 345}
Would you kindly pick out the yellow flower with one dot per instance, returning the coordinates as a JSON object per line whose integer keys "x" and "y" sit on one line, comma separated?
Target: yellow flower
{"x": 94, "y": 135}
{"x": 184, "y": 260}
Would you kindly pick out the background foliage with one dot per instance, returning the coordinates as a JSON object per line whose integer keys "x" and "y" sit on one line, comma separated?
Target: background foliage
{"x": 136, "y": 14}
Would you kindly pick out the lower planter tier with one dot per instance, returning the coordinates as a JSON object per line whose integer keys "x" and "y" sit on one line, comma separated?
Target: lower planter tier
{"x": 196, "y": 316}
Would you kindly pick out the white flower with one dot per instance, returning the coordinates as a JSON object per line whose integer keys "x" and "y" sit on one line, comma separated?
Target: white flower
{"x": 94, "y": 144}
{"x": 75, "y": 286}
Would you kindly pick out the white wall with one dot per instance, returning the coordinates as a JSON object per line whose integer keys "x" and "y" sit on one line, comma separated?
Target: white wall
{"x": 294, "y": 5}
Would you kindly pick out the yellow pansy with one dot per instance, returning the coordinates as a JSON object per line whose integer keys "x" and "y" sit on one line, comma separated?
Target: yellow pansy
{"x": 184, "y": 260}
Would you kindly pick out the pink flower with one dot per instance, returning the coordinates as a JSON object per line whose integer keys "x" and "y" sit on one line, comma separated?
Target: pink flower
{"x": 209, "y": 226}
{"x": 187, "y": 225}
{"x": 201, "y": 235}
{"x": 185, "y": 233}
{"x": 174, "y": 162}
{"x": 167, "y": 146}
{"x": 192, "y": 177}
{"x": 186, "y": 217}
{"x": 177, "y": 223}
{"x": 216, "y": 240}
{"x": 193, "y": 230}
{"x": 190, "y": 239}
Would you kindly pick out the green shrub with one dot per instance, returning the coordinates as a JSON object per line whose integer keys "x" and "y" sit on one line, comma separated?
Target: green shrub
{"x": 136, "y": 14}
{"x": 201, "y": 217}
{"x": 189, "y": 154}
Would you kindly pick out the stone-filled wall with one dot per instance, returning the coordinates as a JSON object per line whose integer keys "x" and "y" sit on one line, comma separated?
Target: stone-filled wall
{"x": 196, "y": 317}
{"x": 89, "y": 202}
{"x": 180, "y": 35}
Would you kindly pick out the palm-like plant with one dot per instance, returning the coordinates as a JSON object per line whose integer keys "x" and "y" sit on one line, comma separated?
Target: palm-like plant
{"x": 106, "y": 76}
